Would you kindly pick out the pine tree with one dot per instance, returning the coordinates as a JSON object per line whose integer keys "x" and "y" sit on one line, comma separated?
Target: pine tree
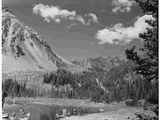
{"x": 147, "y": 62}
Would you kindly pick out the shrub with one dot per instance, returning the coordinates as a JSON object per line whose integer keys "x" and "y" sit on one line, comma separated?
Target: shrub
{"x": 13, "y": 88}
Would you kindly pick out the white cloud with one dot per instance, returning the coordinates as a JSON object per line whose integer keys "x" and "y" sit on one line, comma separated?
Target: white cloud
{"x": 92, "y": 18}
{"x": 57, "y": 14}
{"x": 118, "y": 34}
{"x": 52, "y": 13}
{"x": 122, "y": 5}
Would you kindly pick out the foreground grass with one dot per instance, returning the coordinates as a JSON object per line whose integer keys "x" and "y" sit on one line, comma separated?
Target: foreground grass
{"x": 72, "y": 106}
{"x": 47, "y": 108}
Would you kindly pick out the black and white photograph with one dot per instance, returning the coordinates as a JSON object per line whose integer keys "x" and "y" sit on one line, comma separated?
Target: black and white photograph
{"x": 80, "y": 59}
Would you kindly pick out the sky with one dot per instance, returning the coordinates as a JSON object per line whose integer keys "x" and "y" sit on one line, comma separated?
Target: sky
{"x": 83, "y": 28}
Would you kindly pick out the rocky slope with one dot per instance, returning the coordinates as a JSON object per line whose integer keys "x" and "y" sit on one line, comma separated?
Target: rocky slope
{"x": 104, "y": 63}
{"x": 24, "y": 50}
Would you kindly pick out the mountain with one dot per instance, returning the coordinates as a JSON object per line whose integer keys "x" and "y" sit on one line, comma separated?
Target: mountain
{"x": 103, "y": 63}
{"x": 24, "y": 50}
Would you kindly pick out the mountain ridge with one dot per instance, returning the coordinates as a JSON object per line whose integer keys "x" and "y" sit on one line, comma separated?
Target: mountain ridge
{"x": 23, "y": 49}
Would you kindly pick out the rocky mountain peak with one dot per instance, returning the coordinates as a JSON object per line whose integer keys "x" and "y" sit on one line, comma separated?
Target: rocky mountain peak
{"x": 24, "y": 49}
